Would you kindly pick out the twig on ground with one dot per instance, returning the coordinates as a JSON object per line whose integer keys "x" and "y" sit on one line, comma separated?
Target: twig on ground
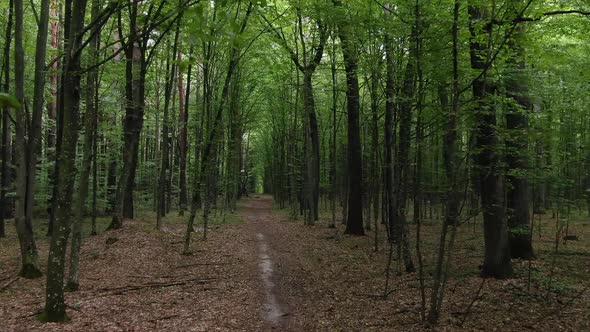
{"x": 125, "y": 289}
{"x": 163, "y": 318}
{"x": 200, "y": 264}
{"x": 9, "y": 283}
{"x": 475, "y": 298}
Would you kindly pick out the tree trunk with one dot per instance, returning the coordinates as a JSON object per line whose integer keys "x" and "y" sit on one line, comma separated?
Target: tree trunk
{"x": 5, "y": 203}
{"x": 135, "y": 72}
{"x": 517, "y": 144}
{"x": 24, "y": 225}
{"x": 183, "y": 98}
{"x": 402, "y": 171}
{"x": 207, "y": 160}
{"x": 54, "y": 301}
{"x": 163, "y": 178}
{"x": 313, "y": 151}
{"x": 389, "y": 197}
{"x": 73, "y": 282}
{"x": 354, "y": 220}
{"x": 497, "y": 252}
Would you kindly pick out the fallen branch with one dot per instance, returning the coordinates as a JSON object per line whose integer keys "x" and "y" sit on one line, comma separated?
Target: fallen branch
{"x": 125, "y": 289}
{"x": 163, "y": 318}
{"x": 9, "y": 283}
{"x": 200, "y": 264}
{"x": 477, "y": 297}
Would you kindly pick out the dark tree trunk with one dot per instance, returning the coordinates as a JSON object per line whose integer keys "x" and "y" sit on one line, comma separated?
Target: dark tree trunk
{"x": 313, "y": 151}
{"x": 354, "y": 220}
{"x": 52, "y": 108}
{"x": 135, "y": 72}
{"x": 497, "y": 252}
{"x": 5, "y": 203}
{"x": 23, "y": 217}
{"x": 517, "y": 144}
{"x": 389, "y": 197}
{"x": 402, "y": 171}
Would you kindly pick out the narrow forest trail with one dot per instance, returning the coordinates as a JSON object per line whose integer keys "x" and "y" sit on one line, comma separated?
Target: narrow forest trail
{"x": 261, "y": 223}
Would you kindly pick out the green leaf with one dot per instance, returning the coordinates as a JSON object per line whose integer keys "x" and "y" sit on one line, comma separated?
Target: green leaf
{"x": 8, "y": 100}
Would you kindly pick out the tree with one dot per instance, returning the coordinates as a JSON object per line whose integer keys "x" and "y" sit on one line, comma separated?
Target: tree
{"x": 54, "y": 300}
{"x": 518, "y": 196}
{"x": 307, "y": 66}
{"x": 27, "y": 149}
{"x": 5, "y": 204}
{"x": 354, "y": 220}
{"x": 497, "y": 252}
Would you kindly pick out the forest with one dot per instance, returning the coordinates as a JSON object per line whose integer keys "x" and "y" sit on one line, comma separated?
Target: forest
{"x": 294, "y": 165}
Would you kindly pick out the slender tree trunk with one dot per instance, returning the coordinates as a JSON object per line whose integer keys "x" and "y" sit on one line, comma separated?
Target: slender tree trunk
{"x": 73, "y": 282}
{"x": 5, "y": 204}
{"x": 54, "y": 301}
{"x": 24, "y": 226}
{"x": 402, "y": 172}
{"x": 207, "y": 159}
{"x": 165, "y": 157}
{"x": 183, "y": 98}
{"x": 52, "y": 109}
{"x": 313, "y": 151}
{"x": 334, "y": 133}
{"x": 389, "y": 135}
{"x": 445, "y": 250}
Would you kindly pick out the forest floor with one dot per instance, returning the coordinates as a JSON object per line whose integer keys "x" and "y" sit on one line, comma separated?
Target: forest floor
{"x": 259, "y": 270}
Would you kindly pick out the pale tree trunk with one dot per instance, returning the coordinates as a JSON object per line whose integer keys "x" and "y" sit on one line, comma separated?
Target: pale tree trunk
{"x": 183, "y": 99}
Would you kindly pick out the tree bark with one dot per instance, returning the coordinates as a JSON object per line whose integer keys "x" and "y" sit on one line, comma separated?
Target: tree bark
{"x": 24, "y": 226}
{"x": 54, "y": 300}
{"x": 5, "y": 203}
{"x": 354, "y": 220}
{"x": 135, "y": 72}
{"x": 73, "y": 282}
{"x": 497, "y": 252}
{"x": 183, "y": 98}
{"x": 518, "y": 195}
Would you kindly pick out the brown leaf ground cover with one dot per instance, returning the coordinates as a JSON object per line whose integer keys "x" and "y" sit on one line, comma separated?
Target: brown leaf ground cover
{"x": 317, "y": 279}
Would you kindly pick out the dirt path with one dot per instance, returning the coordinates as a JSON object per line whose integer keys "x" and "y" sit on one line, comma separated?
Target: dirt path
{"x": 262, "y": 224}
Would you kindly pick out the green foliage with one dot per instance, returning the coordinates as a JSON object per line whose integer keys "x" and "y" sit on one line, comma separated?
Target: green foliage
{"x": 8, "y": 100}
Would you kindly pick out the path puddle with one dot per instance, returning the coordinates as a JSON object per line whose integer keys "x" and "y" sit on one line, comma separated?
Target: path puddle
{"x": 273, "y": 311}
